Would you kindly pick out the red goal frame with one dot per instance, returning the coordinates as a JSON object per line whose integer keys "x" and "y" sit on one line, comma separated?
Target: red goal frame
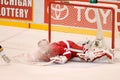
{"x": 91, "y": 6}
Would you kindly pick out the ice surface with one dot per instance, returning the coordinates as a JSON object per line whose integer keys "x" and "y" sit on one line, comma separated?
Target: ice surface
{"x": 18, "y": 40}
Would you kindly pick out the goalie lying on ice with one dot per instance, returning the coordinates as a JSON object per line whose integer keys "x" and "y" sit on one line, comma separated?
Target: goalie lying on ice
{"x": 63, "y": 51}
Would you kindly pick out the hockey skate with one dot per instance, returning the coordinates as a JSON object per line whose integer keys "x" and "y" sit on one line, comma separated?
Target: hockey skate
{"x": 4, "y": 57}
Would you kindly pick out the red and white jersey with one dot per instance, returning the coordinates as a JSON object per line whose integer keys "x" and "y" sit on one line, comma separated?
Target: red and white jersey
{"x": 65, "y": 48}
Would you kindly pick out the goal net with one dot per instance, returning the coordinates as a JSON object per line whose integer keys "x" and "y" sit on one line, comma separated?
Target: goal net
{"x": 79, "y": 21}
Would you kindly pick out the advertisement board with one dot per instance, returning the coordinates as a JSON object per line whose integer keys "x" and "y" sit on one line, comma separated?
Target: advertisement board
{"x": 16, "y": 9}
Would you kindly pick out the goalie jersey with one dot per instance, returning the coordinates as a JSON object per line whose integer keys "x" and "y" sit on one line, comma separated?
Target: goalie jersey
{"x": 68, "y": 48}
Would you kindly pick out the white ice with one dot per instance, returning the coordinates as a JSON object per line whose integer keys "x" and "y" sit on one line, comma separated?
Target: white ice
{"x": 18, "y": 40}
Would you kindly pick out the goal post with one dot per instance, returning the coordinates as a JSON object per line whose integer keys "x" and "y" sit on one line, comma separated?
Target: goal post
{"x": 80, "y": 20}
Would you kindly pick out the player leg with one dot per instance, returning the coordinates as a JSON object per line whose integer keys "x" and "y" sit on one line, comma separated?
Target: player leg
{"x": 4, "y": 57}
{"x": 103, "y": 56}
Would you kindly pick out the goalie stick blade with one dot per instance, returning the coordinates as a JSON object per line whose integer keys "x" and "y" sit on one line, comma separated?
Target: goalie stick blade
{"x": 48, "y": 63}
{"x": 16, "y": 60}
{"x": 37, "y": 63}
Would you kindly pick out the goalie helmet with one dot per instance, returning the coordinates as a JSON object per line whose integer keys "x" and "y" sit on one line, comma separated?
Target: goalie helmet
{"x": 43, "y": 51}
{"x": 43, "y": 45}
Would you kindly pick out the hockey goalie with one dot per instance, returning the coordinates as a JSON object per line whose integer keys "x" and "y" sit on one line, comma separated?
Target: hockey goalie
{"x": 63, "y": 51}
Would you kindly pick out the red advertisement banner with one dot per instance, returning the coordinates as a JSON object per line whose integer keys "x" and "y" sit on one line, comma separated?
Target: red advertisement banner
{"x": 16, "y": 9}
{"x": 47, "y": 4}
{"x": 85, "y": 21}
{"x": 82, "y": 16}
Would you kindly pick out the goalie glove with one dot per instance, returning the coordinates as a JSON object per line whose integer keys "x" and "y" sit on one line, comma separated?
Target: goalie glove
{"x": 59, "y": 59}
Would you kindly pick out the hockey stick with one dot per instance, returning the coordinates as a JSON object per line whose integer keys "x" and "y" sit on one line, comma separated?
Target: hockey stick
{"x": 48, "y": 63}
{"x": 39, "y": 63}
{"x": 36, "y": 63}
{"x": 32, "y": 63}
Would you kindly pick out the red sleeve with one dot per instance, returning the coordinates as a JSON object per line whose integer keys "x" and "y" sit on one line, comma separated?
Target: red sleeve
{"x": 56, "y": 49}
{"x": 75, "y": 46}
{"x": 68, "y": 54}
{"x": 59, "y": 49}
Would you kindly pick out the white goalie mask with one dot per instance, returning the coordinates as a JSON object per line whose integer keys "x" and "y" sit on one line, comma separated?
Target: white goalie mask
{"x": 43, "y": 45}
{"x": 43, "y": 52}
